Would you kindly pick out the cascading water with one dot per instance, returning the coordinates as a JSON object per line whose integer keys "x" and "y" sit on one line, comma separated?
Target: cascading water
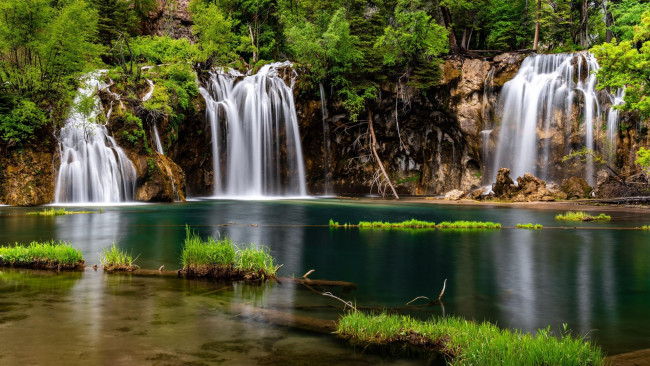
{"x": 539, "y": 101}
{"x": 255, "y": 140}
{"x": 156, "y": 136}
{"x": 93, "y": 168}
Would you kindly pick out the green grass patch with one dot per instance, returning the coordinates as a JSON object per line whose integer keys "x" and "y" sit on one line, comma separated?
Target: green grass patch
{"x": 581, "y": 216}
{"x": 221, "y": 258}
{"x": 47, "y": 255}
{"x": 530, "y": 226}
{"x": 464, "y": 342}
{"x": 645, "y": 227}
{"x": 59, "y": 212}
{"x": 115, "y": 259}
{"x": 419, "y": 224}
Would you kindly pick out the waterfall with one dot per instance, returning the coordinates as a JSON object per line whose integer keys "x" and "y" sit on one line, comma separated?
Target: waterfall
{"x": 93, "y": 168}
{"x": 254, "y": 128}
{"x": 612, "y": 122}
{"x": 537, "y": 103}
{"x": 156, "y": 139}
{"x": 327, "y": 188}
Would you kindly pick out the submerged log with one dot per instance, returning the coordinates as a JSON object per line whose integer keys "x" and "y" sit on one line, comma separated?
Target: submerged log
{"x": 282, "y": 318}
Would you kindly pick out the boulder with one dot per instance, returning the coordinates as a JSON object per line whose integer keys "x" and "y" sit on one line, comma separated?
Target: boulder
{"x": 504, "y": 186}
{"x": 531, "y": 188}
{"x": 477, "y": 194}
{"x": 575, "y": 188}
{"x": 556, "y": 191}
{"x": 609, "y": 185}
{"x": 454, "y": 195}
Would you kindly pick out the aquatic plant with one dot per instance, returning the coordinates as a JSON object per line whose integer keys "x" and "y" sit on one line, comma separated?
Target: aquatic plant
{"x": 469, "y": 225}
{"x": 334, "y": 223}
{"x": 465, "y": 342}
{"x": 529, "y": 226}
{"x": 581, "y": 216}
{"x": 412, "y": 224}
{"x": 115, "y": 259}
{"x": 59, "y": 212}
{"x": 221, "y": 258}
{"x": 645, "y": 227}
{"x": 46, "y": 255}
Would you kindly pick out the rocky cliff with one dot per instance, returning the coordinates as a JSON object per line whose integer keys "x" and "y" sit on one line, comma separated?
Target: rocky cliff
{"x": 429, "y": 141}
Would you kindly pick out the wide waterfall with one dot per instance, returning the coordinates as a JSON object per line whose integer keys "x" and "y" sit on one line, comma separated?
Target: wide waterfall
{"x": 255, "y": 140}
{"x": 546, "y": 95}
{"x": 93, "y": 168}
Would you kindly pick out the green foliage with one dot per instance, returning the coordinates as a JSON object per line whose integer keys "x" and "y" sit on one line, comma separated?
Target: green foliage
{"x": 645, "y": 227}
{"x": 134, "y": 131}
{"x": 253, "y": 259}
{"x": 419, "y": 224}
{"x": 115, "y": 259}
{"x": 41, "y": 255}
{"x": 216, "y": 41}
{"x": 471, "y": 343}
{"x": 59, "y": 212}
{"x": 18, "y": 126}
{"x": 627, "y": 65}
{"x": 163, "y": 50}
{"x": 581, "y": 216}
{"x": 530, "y": 226}
{"x": 412, "y": 37}
{"x": 643, "y": 159}
{"x": 468, "y": 225}
{"x": 627, "y": 15}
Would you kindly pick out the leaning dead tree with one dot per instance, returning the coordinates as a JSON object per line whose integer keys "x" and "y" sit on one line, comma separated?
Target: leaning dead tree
{"x": 373, "y": 145}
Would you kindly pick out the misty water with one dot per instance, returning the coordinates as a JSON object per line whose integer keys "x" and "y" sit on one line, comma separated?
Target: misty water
{"x": 595, "y": 278}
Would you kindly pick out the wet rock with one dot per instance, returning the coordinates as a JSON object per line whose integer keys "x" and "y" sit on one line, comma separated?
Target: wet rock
{"x": 531, "y": 188}
{"x": 477, "y": 194}
{"x": 159, "y": 179}
{"x": 169, "y": 18}
{"x": 609, "y": 185}
{"x": 556, "y": 191}
{"x": 27, "y": 176}
{"x": 576, "y": 188}
{"x": 504, "y": 187}
{"x": 454, "y": 195}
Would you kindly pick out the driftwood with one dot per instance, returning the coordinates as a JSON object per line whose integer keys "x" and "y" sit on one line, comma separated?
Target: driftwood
{"x": 373, "y": 144}
{"x": 639, "y": 200}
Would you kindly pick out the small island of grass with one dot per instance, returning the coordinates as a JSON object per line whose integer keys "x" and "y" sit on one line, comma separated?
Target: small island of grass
{"x": 464, "y": 342}
{"x": 530, "y": 226}
{"x": 418, "y": 224}
{"x": 47, "y": 255}
{"x": 59, "y": 212}
{"x": 221, "y": 258}
{"x": 645, "y": 227}
{"x": 114, "y": 259}
{"x": 581, "y": 216}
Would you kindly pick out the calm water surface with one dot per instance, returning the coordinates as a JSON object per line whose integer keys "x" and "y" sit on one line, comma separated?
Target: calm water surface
{"x": 597, "y": 281}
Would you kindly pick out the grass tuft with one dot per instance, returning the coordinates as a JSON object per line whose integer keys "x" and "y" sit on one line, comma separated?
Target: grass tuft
{"x": 645, "y": 227}
{"x": 581, "y": 216}
{"x": 221, "y": 258}
{"x": 418, "y": 224}
{"x": 115, "y": 259}
{"x": 59, "y": 212}
{"x": 530, "y": 226}
{"x": 469, "y": 343}
{"x": 47, "y": 255}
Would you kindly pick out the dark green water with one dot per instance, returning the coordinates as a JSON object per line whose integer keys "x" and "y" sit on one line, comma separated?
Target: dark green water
{"x": 597, "y": 281}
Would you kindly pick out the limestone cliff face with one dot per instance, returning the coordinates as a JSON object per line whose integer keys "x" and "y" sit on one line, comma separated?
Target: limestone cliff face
{"x": 171, "y": 18}
{"x": 430, "y": 142}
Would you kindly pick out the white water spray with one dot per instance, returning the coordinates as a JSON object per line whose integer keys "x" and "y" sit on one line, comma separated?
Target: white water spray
{"x": 254, "y": 125}
{"x": 93, "y": 168}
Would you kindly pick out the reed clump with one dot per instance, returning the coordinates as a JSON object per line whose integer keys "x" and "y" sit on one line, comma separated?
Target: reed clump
{"x": 42, "y": 255}
{"x": 59, "y": 212}
{"x": 465, "y": 342}
{"x": 221, "y": 258}
{"x": 469, "y": 225}
{"x": 581, "y": 216}
{"x": 114, "y": 259}
{"x": 645, "y": 227}
{"x": 530, "y": 226}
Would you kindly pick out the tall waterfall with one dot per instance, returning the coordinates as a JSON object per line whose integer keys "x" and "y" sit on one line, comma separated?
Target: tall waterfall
{"x": 93, "y": 168}
{"x": 539, "y": 101}
{"x": 255, "y": 140}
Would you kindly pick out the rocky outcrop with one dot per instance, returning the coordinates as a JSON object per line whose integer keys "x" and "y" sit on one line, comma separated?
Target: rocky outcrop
{"x": 575, "y": 188}
{"x": 27, "y": 175}
{"x": 610, "y": 186}
{"x": 171, "y": 18}
{"x": 454, "y": 195}
{"x": 528, "y": 188}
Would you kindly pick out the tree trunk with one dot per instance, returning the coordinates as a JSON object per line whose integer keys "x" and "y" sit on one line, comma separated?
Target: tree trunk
{"x": 373, "y": 144}
{"x": 446, "y": 16}
{"x": 250, "y": 30}
{"x": 537, "y": 24}
{"x": 525, "y": 27}
{"x": 463, "y": 41}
